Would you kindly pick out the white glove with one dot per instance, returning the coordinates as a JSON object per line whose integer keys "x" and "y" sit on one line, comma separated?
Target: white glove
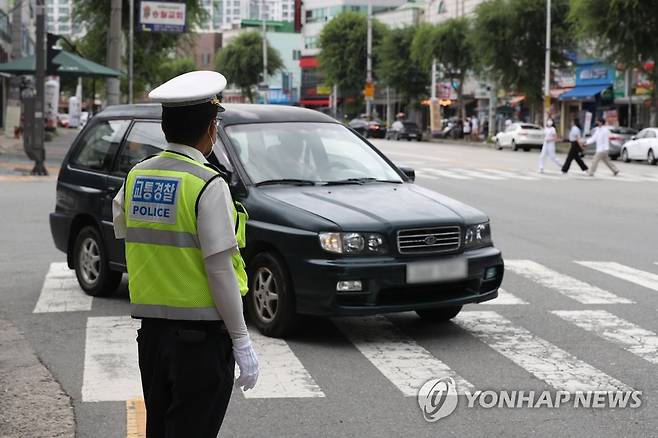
{"x": 247, "y": 361}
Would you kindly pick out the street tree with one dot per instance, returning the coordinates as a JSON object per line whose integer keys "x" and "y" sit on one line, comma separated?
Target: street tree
{"x": 241, "y": 61}
{"x": 396, "y": 69}
{"x": 510, "y": 38}
{"x": 450, "y": 44}
{"x": 151, "y": 49}
{"x": 623, "y": 31}
{"x": 343, "y": 45}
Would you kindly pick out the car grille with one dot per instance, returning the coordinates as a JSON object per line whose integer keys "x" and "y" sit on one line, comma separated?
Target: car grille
{"x": 429, "y": 240}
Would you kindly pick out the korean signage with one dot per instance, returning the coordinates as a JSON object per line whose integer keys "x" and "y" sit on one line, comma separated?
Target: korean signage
{"x": 162, "y": 16}
{"x": 594, "y": 74}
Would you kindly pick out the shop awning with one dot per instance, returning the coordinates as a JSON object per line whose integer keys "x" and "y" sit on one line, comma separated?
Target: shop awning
{"x": 69, "y": 65}
{"x": 583, "y": 92}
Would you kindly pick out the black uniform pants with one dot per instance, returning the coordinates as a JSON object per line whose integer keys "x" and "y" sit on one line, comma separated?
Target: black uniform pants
{"x": 187, "y": 376}
{"x": 574, "y": 154}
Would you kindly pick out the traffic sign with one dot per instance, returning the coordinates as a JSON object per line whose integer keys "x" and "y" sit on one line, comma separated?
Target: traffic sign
{"x": 369, "y": 91}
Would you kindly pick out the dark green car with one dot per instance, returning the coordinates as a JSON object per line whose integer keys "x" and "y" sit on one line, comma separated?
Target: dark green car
{"x": 335, "y": 228}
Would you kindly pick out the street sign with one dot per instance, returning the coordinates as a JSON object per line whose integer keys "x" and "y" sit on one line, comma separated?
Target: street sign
{"x": 162, "y": 16}
{"x": 369, "y": 91}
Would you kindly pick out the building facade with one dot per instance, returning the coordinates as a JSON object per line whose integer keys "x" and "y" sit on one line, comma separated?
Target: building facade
{"x": 228, "y": 14}
{"x": 59, "y": 19}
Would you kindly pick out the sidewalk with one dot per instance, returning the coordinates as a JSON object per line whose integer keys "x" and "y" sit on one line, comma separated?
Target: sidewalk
{"x": 32, "y": 404}
{"x": 14, "y": 162}
{"x": 561, "y": 147}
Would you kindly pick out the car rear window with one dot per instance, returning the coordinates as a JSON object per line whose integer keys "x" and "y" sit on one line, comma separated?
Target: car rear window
{"x": 535, "y": 127}
{"x": 98, "y": 144}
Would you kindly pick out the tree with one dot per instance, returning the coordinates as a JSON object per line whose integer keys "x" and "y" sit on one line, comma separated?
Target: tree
{"x": 151, "y": 49}
{"x": 396, "y": 69}
{"x": 242, "y": 61}
{"x": 624, "y": 30}
{"x": 175, "y": 67}
{"x": 510, "y": 40}
{"x": 344, "y": 49}
{"x": 450, "y": 44}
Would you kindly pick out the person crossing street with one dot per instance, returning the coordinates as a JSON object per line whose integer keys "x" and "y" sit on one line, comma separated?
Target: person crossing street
{"x": 548, "y": 149}
{"x": 575, "y": 149}
{"x": 185, "y": 273}
{"x": 601, "y": 137}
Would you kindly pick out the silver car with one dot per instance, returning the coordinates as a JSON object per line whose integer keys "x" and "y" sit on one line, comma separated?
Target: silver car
{"x": 618, "y": 136}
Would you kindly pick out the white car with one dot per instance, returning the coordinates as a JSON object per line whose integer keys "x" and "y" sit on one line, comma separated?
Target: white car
{"x": 642, "y": 147}
{"x": 520, "y": 136}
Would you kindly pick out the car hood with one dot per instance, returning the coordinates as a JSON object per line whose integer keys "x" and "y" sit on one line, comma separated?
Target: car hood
{"x": 376, "y": 206}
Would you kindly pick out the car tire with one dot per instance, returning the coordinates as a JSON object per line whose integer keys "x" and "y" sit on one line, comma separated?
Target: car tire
{"x": 91, "y": 264}
{"x": 526, "y": 149}
{"x": 498, "y": 145}
{"x": 651, "y": 157}
{"x": 440, "y": 314}
{"x": 408, "y": 138}
{"x": 268, "y": 275}
{"x": 514, "y": 146}
{"x": 419, "y": 138}
{"x": 624, "y": 156}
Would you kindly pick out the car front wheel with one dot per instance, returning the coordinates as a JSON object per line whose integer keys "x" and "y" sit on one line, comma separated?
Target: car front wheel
{"x": 271, "y": 301}
{"x": 514, "y": 146}
{"x": 651, "y": 158}
{"x": 91, "y": 264}
{"x": 624, "y": 156}
{"x": 440, "y": 314}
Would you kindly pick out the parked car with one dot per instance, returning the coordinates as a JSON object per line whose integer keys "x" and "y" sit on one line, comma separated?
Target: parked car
{"x": 369, "y": 128}
{"x": 641, "y": 147}
{"x": 520, "y": 136}
{"x": 452, "y": 129}
{"x": 618, "y": 137}
{"x": 335, "y": 227}
{"x": 409, "y": 131}
{"x": 63, "y": 120}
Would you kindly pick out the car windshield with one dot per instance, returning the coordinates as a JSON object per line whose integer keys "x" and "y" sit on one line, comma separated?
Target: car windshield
{"x": 531, "y": 127}
{"x": 307, "y": 152}
{"x": 623, "y": 131}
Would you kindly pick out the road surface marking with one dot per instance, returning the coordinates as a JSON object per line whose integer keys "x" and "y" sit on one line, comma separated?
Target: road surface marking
{"x": 478, "y": 174}
{"x": 632, "y": 338}
{"x": 560, "y": 369}
{"x": 399, "y": 358}
{"x": 568, "y": 286}
{"x": 511, "y": 175}
{"x": 505, "y": 298}
{"x": 444, "y": 173}
{"x": 642, "y": 278}
{"x": 424, "y": 158}
{"x": 111, "y": 371}
{"x": 135, "y": 418}
{"x": 61, "y": 292}
{"x": 282, "y": 375}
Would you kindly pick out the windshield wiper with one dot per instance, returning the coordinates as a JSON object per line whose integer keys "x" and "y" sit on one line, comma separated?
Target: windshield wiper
{"x": 358, "y": 181}
{"x": 292, "y": 181}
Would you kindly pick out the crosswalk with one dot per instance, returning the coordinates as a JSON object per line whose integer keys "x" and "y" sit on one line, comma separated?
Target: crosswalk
{"x": 110, "y": 371}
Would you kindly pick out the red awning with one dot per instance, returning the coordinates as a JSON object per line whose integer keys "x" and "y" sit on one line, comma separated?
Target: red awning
{"x": 314, "y": 102}
{"x": 308, "y": 62}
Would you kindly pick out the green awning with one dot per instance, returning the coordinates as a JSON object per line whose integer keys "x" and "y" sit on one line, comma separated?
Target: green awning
{"x": 69, "y": 65}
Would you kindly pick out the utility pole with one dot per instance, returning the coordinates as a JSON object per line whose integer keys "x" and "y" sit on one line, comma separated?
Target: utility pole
{"x": 264, "y": 34}
{"x": 547, "y": 66}
{"x": 114, "y": 52}
{"x": 369, "y": 58}
{"x": 131, "y": 37}
{"x": 38, "y": 151}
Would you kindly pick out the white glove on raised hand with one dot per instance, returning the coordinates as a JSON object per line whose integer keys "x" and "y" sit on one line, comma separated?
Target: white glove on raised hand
{"x": 247, "y": 361}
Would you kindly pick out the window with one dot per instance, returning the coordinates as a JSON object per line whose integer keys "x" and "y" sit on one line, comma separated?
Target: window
{"x": 650, "y": 134}
{"x": 311, "y": 42}
{"x": 442, "y": 8}
{"x": 64, "y": 28}
{"x": 99, "y": 143}
{"x": 145, "y": 139}
{"x": 296, "y": 54}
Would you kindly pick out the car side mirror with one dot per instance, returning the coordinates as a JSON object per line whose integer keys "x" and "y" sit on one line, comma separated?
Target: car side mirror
{"x": 634, "y": 137}
{"x": 409, "y": 173}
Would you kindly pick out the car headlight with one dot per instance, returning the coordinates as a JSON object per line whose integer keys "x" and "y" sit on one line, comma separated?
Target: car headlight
{"x": 353, "y": 243}
{"x": 477, "y": 236}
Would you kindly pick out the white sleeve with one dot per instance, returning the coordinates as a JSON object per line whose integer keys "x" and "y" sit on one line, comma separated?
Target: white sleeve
{"x": 118, "y": 216}
{"x": 215, "y": 225}
{"x": 226, "y": 293}
{"x": 593, "y": 137}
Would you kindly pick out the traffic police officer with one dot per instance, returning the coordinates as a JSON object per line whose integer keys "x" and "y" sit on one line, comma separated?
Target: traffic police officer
{"x": 177, "y": 217}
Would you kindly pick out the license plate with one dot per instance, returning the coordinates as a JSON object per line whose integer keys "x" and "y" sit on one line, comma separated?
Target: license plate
{"x": 437, "y": 271}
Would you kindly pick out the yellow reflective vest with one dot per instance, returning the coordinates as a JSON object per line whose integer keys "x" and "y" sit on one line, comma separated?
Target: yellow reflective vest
{"x": 167, "y": 275}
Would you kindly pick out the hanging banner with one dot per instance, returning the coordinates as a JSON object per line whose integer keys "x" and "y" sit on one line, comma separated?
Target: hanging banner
{"x": 162, "y": 17}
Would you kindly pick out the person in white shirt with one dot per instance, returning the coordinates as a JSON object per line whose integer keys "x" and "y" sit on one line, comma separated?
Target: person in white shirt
{"x": 601, "y": 137}
{"x": 576, "y": 149}
{"x": 550, "y": 137}
{"x": 466, "y": 130}
{"x": 475, "y": 133}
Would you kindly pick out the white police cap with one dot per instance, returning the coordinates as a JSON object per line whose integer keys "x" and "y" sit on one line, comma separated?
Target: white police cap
{"x": 191, "y": 88}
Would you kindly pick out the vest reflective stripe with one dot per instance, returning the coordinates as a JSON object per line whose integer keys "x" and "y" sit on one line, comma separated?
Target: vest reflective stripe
{"x": 180, "y": 313}
{"x": 166, "y": 162}
{"x": 179, "y": 239}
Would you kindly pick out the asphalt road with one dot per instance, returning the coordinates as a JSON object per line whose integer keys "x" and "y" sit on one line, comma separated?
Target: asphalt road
{"x": 579, "y": 312}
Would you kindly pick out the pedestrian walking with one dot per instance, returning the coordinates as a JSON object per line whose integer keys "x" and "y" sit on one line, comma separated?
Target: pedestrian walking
{"x": 576, "y": 148}
{"x": 475, "y": 128}
{"x": 467, "y": 128}
{"x": 601, "y": 137}
{"x": 177, "y": 217}
{"x": 548, "y": 149}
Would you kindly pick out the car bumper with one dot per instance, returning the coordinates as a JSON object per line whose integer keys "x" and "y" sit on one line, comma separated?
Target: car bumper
{"x": 384, "y": 286}
{"x": 59, "y": 228}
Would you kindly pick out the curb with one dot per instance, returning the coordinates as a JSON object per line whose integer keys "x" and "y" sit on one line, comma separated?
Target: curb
{"x": 32, "y": 403}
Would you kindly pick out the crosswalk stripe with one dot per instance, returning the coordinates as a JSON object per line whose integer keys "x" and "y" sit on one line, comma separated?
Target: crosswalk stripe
{"x": 478, "y": 174}
{"x": 568, "y": 286}
{"x": 505, "y": 298}
{"x": 282, "y": 375}
{"x": 511, "y": 175}
{"x": 635, "y": 339}
{"x": 399, "y": 358}
{"x": 560, "y": 369}
{"x": 111, "y": 371}
{"x": 444, "y": 173}
{"x": 61, "y": 292}
{"x": 637, "y": 276}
